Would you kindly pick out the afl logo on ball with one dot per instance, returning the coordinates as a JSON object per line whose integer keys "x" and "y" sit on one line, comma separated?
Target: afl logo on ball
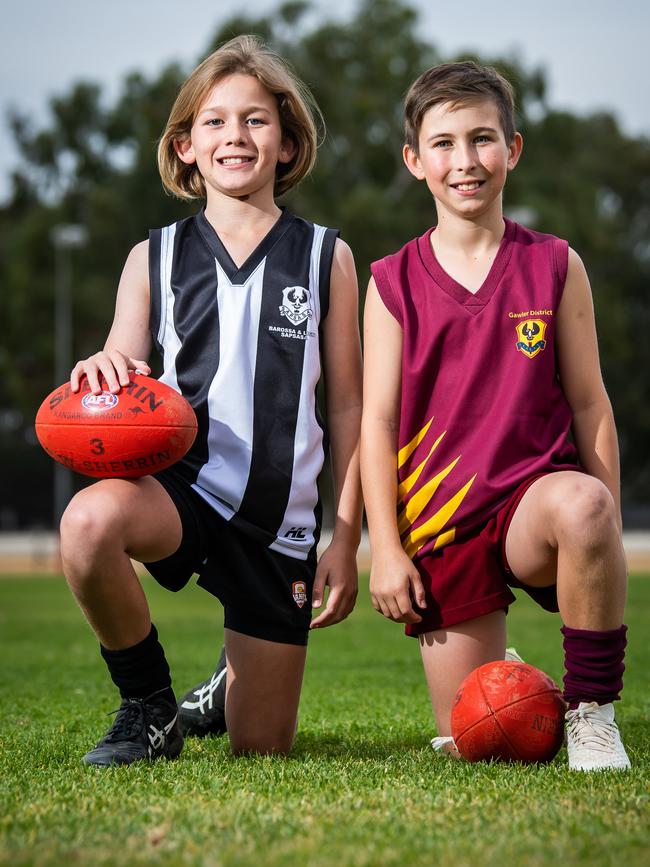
{"x": 299, "y": 590}
{"x": 100, "y": 402}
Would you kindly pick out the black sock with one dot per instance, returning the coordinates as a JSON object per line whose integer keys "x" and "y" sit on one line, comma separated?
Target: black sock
{"x": 141, "y": 670}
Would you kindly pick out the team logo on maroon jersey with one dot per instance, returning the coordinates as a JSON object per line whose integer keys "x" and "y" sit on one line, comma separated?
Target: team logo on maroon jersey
{"x": 299, "y": 591}
{"x": 530, "y": 337}
{"x": 296, "y": 304}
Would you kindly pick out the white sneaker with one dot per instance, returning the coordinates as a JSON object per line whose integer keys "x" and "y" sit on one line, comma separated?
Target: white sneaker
{"x": 445, "y": 745}
{"x": 440, "y": 743}
{"x": 511, "y": 655}
{"x": 593, "y": 739}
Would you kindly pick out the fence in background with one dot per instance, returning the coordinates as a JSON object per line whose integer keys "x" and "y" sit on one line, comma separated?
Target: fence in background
{"x": 38, "y": 552}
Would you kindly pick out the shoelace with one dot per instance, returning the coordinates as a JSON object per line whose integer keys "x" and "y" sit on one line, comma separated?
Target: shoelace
{"x": 589, "y": 731}
{"x": 128, "y": 722}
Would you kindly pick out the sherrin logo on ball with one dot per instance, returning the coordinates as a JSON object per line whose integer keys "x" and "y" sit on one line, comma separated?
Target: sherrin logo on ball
{"x": 144, "y": 428}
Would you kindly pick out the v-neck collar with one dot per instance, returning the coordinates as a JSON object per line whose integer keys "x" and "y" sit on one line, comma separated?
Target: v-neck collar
{"x": 239, "y": 275}
{"x": 473, "y": 302}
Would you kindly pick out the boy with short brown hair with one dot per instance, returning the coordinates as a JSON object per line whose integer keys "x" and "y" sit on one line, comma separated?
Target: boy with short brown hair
{"x": 481, "y": 358}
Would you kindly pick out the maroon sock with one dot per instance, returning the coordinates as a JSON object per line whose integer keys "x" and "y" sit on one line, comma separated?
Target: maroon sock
{"x": 594, "y": 665}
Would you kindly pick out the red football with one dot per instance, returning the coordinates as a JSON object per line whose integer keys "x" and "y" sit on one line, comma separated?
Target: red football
{"x": 509, "y": 711}
{"x": 142, "y": 429}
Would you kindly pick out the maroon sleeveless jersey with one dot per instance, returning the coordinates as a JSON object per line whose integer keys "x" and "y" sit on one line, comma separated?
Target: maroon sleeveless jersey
{"x": 482, "y": 409}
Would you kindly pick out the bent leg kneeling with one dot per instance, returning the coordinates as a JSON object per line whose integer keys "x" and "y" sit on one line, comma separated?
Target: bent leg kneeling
{"x": 264, "y": 680}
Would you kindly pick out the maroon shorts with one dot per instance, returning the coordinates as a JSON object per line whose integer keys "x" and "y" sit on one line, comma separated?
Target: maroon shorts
{"x": 470, "y": 578}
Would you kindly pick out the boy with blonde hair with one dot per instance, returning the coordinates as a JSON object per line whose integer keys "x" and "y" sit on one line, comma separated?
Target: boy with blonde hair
{"x": 247, "y": 304}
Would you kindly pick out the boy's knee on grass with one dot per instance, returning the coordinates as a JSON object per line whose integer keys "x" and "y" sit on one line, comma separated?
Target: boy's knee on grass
{"x": 255, "y": 742}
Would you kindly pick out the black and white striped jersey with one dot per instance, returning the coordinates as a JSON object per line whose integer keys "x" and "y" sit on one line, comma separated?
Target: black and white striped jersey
{"x": 243, "y": 347}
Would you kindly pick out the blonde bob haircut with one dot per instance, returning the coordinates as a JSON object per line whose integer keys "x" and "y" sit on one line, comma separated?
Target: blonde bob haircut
{"x": 297, "y": 108}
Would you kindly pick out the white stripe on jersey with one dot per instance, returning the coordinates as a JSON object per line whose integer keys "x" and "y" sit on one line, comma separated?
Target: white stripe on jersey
{"x": 167, "y": 336}
{"x": 308, "y": 456}
{"x": 230, "y": 399}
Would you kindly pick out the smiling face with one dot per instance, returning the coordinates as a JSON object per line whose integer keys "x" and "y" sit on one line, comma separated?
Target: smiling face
{"x": 464, "y": 158}
{"x": 236, "y": 139}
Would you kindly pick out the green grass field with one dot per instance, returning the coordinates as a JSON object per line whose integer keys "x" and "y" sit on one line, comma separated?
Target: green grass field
{"x": 362, "y": 786}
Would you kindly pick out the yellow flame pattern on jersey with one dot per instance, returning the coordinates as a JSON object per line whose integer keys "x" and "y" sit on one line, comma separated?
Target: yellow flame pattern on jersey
{"x": 414, "y": 538}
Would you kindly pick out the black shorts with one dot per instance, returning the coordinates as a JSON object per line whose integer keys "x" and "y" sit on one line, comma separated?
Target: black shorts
{"x": 264, "y": 594}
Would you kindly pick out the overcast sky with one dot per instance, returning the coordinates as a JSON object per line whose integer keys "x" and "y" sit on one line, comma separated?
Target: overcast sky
{"x": 595, "y": 52}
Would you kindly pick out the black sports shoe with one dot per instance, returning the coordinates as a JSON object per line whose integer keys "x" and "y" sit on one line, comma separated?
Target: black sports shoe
{"x": 202, "y": 711}
{"x": 144, "y": 728}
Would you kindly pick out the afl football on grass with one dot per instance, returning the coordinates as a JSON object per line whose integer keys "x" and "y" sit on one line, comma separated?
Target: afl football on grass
{"x": 508, "y": 711}
{"x": 142, "y": 429}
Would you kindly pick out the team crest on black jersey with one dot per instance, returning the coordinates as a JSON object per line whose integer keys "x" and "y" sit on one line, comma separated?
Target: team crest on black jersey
{"x": 530, "y": 337}
{"x": 296, "y": 306}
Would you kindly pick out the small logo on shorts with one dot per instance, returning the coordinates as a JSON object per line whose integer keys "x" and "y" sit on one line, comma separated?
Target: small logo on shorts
{"x": 299, "y": 591}
{"x": 105, "y": 400}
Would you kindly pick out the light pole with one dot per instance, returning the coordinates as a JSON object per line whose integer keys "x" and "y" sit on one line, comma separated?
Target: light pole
{"x": 65, "y": 237}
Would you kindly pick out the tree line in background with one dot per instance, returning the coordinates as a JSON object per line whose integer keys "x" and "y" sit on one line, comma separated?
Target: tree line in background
{"x": 94, "y": 164}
